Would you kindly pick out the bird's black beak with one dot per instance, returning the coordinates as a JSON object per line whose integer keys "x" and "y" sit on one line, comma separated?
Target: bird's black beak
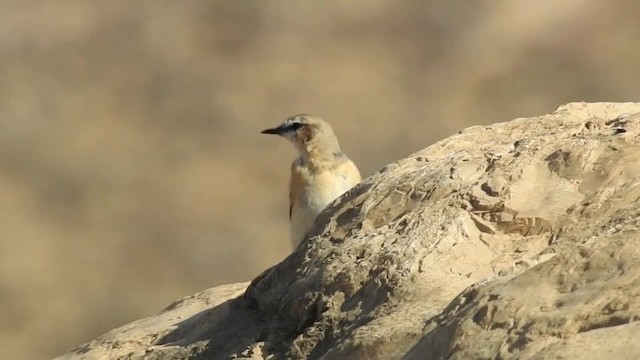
{"x": 274, "y": 131}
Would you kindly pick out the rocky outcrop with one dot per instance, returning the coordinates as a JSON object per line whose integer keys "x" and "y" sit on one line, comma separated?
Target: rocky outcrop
{"x": 515, "y": 240}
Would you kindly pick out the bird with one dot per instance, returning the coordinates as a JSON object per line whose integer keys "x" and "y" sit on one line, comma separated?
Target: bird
{"x": 320, "y": 173}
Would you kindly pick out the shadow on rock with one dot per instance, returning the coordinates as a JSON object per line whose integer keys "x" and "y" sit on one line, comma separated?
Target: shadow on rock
{"x": 229, "y": 328}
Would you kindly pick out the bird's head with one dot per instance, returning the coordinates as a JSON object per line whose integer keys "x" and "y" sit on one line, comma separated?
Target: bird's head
{"x": 311, "y": 135}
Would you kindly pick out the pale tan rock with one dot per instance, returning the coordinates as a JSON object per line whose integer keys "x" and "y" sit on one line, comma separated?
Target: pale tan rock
{"x": 187, "y": 316}
{"x": 515, "y": 240}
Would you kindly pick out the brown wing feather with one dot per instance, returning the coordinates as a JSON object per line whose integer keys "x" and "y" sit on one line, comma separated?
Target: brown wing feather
{"x": 290, "y": 203}
{"x": 293, "y": 184}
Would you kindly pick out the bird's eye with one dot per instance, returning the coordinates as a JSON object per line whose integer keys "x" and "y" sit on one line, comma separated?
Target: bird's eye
{"x": 295, "y": 126}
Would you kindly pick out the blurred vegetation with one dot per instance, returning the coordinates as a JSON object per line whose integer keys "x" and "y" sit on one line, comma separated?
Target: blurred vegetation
{"x": 133, "y": 172}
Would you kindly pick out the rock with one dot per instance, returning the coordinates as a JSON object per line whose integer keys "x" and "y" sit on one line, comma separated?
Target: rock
{"x": 179, "y": 327}
{"x": 515, "y": 240}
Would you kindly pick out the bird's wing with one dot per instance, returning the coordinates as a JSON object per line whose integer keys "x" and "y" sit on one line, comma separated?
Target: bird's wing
{"x": 290, "y": 202}
{"x": 294, "y": 185}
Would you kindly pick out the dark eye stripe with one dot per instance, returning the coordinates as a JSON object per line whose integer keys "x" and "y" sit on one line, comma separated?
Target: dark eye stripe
{"x": 295, "y": 126}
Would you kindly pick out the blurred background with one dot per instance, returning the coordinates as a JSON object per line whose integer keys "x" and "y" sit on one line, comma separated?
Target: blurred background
{"x": 132, "y": 168}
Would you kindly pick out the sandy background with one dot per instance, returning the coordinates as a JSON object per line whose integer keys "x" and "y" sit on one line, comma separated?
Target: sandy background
{"x": 132, "y": 168}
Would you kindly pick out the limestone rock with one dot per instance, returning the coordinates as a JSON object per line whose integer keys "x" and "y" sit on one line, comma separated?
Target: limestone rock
{"x": 514, "y": 240}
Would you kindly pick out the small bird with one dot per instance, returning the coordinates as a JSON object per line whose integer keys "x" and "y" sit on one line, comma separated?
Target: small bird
{"x": 319, "y": 175}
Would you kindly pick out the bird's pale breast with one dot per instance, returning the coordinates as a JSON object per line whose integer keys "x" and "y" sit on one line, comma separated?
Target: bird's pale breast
{"x": 312, "y": 192}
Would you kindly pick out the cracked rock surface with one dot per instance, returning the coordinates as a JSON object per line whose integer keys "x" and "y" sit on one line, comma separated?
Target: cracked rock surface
{"x": 515, "y": 240}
